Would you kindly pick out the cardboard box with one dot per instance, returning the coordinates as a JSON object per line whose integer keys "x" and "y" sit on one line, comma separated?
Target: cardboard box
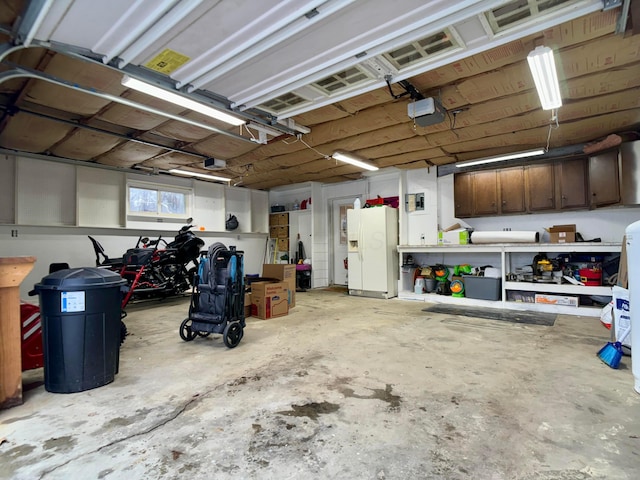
{"x": 247, "y": 304}
{"x": 269, "y": 299}
{"x": 283, "y": 219}
{"x": 283, "y": 244}
{"x": 285, "y": 273}
{"x": 521, "y": 296}
{"x": 623, "y": 274}
{"x": 557, "y": 300}
{"x": 282, "y": 231}
{"x": 562, "y": 234}
{"x": 454, "y": 237}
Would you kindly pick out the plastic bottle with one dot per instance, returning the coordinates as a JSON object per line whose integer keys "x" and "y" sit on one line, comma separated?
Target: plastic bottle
{"x": 356, "y": 204}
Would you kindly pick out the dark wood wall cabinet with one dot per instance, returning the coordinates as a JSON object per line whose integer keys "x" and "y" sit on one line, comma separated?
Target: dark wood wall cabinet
{"x": 564, "y": 184}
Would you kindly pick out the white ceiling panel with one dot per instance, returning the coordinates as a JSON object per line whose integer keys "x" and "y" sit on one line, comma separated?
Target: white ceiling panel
{"x": 343, "y": 35}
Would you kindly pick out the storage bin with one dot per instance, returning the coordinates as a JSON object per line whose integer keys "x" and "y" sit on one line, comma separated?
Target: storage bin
{"x": 482, "y": 288}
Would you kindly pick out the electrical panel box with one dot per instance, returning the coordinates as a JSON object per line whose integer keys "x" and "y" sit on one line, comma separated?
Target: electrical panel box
{"x": 414, "y": 201}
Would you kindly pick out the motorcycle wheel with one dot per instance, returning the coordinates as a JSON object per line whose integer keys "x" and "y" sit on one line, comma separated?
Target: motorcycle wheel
{"x": 185, "y": 331}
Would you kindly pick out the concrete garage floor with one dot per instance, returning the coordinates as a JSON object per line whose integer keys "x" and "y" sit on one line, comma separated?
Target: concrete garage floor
{"x": 343, "y": 387}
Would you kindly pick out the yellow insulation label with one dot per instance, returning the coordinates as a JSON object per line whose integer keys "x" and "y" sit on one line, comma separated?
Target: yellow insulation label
{"x": 167, "y": 61}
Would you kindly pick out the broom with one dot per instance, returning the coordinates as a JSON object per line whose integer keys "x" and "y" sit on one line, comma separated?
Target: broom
{"x": 611, "y": 353}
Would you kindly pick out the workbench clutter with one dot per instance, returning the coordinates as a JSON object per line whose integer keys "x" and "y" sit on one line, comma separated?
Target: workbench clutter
{"x": 583, "y": 269}
{"x": 459, "y": 281}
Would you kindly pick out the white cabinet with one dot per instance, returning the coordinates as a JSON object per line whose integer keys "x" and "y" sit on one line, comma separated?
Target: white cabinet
{"x": 505, "y": 257}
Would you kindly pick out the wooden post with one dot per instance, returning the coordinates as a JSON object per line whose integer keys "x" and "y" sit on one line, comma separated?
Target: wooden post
{"x": 13, "y": 270}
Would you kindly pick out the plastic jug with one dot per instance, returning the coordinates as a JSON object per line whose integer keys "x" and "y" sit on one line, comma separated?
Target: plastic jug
{"x": 419, "y": 286}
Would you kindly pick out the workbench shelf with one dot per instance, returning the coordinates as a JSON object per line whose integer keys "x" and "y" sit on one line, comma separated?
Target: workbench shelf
{"x": 503, "y": 256}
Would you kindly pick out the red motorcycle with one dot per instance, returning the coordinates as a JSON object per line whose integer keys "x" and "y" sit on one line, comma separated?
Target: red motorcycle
{"x": 155, "y": 268}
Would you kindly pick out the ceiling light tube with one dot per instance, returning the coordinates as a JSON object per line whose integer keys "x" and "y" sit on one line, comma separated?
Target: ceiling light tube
{"x": 181, "y": 100}
{"x": 199, "y": 175}
{"x": 353, "y": 160}
{"x": 543, "y": 69}
{"x": 500, "y": 158}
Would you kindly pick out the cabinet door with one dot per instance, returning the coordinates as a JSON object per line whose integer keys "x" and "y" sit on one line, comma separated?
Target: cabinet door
{"x": 541, "y": 187}
{"x": 463, "y": 194}
{"x": 572, "y": 183}
{"x": 512, "y": 190}
{"x": 485, "y": 192}
{"x": 604, "y": 182}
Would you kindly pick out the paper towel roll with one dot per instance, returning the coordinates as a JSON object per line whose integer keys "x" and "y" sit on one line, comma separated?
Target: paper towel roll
{"x": 509, "y": 236}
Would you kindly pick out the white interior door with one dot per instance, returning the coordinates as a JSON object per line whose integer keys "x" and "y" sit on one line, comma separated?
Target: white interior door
{"x": 338, "y": 229}
{"x": 300, "y": 225}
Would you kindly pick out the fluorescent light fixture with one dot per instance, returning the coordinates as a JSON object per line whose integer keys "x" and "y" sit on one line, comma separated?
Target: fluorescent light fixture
{"x": 500, "y": 158}
{"x": 353, "y": 160}
{"x": 199, "y": 175}
{"x": 543, "y": 69}
{"x": 181, "y": 100}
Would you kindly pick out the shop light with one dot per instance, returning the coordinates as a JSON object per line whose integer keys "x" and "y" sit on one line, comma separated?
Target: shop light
{"x": 353, "y": 160}
{"x": 199, "y": 175}
{"x": 543, "y": 69}
{"x": 500, "y": 158}
{"x": 181, "y": 100}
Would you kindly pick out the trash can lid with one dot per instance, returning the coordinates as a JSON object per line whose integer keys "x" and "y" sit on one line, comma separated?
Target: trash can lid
{"x": 80, "y": 279}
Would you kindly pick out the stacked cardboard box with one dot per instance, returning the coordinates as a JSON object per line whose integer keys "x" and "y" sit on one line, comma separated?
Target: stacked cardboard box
{"x": 269, "y": 300}
{"x": 286, "y": 273}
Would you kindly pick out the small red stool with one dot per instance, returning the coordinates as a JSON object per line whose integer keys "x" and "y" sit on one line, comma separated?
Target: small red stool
{"x": 32, "y": 356}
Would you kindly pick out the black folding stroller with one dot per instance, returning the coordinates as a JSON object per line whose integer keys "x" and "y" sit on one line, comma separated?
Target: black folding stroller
{"x": 217, "y": 299}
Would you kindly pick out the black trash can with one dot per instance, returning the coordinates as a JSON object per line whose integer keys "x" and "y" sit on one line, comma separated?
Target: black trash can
{"x": 80, "y": 313}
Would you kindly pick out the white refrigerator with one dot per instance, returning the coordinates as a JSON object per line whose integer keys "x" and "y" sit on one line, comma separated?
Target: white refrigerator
{"x": 372, "y": 235}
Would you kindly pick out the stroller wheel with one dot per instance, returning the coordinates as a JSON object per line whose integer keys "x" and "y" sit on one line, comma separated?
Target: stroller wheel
{"x": 186, "y": 333}
{"x": 232, "y": 335}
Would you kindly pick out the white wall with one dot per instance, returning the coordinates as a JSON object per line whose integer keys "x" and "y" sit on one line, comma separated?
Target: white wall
{"x": 414, "y": 226}
{"x": 58, "y": 204}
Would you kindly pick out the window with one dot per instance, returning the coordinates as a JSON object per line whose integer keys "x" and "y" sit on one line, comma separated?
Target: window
{"x": 284, "y": 102}
{"x": 158, "y": 201}
{"x": 519, "y": 11}
{"x": 422, "y": 49}
{"x": 341, "y": 80}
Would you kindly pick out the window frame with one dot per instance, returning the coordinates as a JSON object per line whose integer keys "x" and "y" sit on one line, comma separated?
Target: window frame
{"x": 158, "y": 215}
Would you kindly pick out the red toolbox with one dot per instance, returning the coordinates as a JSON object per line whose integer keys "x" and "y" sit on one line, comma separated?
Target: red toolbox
{"x": 32, "y": 356}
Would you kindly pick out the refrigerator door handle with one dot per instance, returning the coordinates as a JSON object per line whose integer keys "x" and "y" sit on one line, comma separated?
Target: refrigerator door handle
{"x": 360, "y": 243}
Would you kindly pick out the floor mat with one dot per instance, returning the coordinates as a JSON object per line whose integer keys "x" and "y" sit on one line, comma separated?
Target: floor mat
{"x": 513, "y": 316}
{"x": 336, "y": 288}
